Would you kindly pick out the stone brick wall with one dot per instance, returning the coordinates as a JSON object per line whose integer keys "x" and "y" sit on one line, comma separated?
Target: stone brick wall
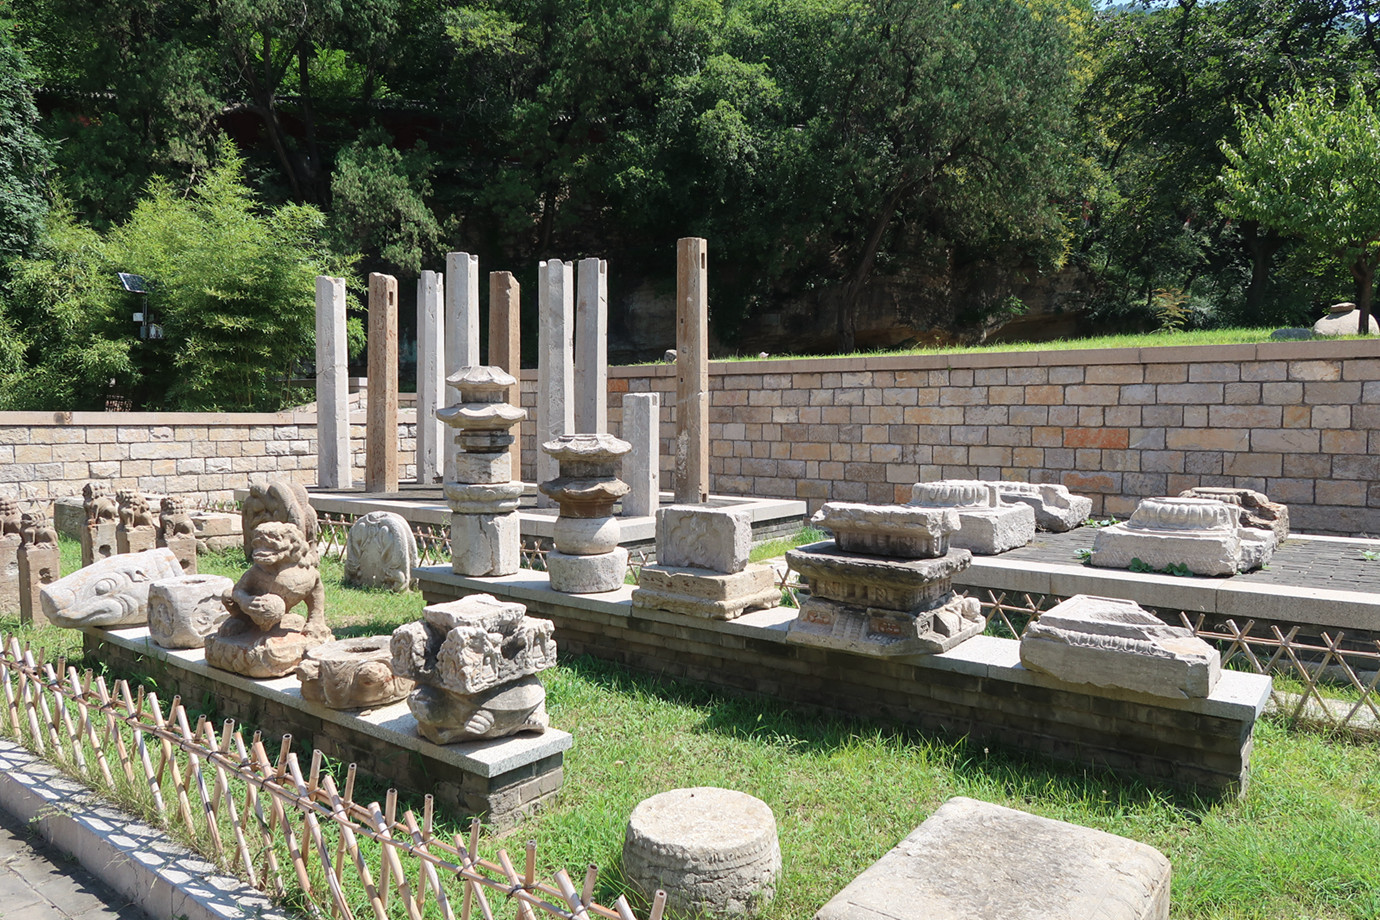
{"x": 1297, "y": 420}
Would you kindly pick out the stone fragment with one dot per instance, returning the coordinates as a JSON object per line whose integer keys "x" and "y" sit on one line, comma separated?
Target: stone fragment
{"x": 1056, "y": 509}
{"x": 974, "y": 860}
{"x": 987, "y": 526}
{"x": 380, "y": 552}
{"x": 692, "y": 371}
{"x": 1199, "y": 533}
{"x": 176, "y": 532}
{"x": 701, "y": 593}
{"x": 1343, "y": 319}
{"x": 277, "y": 499}
{"x": 713, "y": 851}
{"x": 505, "y": 345}
{"x": 485, "y": 544}
{"x": 333, "y": 467}
{"x": 110, "y": 592}
{"x": 446, "y": 718}
{"x": 1255, "y": 508}
{"x": 1108, "y": 642}
{"x": 472, "y": 660}
{"x": 137, "y": 530}
{"x": 10, "y": 541}
{"x": 69, "y": 515}
{"x": 586, "y": 489}
{"x": 888, "y": 530}
{"x": 217, "y": 531}
{"x": 642, "y": 464}
{"x": 1291, "y": 334}
{"x": 706, "y": 538}
{"x": 186, "y": 609}
{"x": 352, "y": 674}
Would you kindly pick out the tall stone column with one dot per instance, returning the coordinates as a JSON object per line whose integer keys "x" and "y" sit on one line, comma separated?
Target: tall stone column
{"x": 431, "y": 375}
{"x": 592, "y": 347}
{"x": 692, "y": 371}
{"x": 505, "y": 344}
{"x": 485, "y": 536}
{"x": 332, "y": 393}
{"x": 587, "y": 558}
{"x": 642, "y": 464}
{"x": 381, "y": 444}
{"x": 462, "y": 327}
{"x": 555, "y": 363}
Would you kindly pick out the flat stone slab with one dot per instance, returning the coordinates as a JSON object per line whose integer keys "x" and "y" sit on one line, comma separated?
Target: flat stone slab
{"x": 971, "y": 860}
{"x": 701, "y": 593}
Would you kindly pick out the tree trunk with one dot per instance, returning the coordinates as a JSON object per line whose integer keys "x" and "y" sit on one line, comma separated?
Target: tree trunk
{"x": 852, "y": 292}
{"x": 1260, "y": 248}
{"x": 1364, "y": 273}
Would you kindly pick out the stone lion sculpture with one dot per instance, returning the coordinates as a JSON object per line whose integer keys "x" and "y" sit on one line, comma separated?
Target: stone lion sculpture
{"x": 283, "y": 575}
{"x": 277, "y": 500}
{"x": 99, "y": 507}
{"x": 173, "y": 518}
{"x": 134, "y": 510}
{"x": 9, "y": 517}
{"x": 35, "y": 529}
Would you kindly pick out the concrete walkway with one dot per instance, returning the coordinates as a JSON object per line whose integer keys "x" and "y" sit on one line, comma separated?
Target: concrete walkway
{"x": 38, "y": 883}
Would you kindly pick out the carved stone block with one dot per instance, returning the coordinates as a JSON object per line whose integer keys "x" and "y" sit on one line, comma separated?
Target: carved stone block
{"x": 700, "y": 593}
{"x": 1199, "y": 533}
{"x": 987, "y": 526}
{"x": 888, "y": 530}
{"x": 352, "y": 674}
{"x": 9, "y": 572}
{"x": 39, "y": 565}
{"x": 1256, "y": 509}
{"x": 380, "y": 552}
{"x": 587, "y": 574}
{"x": 485, "y": 544}
{"x": 109, "y": 592}
{"x": 98, "y": 542}
{"x": 184, "y": 610}
{"x": 1057, "y": 510}
{"x": 706, "y": 538}
{"x": 446, "y": 718}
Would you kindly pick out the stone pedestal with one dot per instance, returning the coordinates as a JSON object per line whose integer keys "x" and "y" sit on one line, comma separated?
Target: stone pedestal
{"x": 138, "y": 528}
{"x": 1254, "y": 509}
{"x": 97, "y": 542}
{"x": 177, "y": 533}
{"x": 702, "y": 566}
{"x": 1057, "y": 510}
{"x": 1200, "y": 534}
{"x": 109, "y": 592}
{"x": 184, "y": 610}
{"x": 352, "y": 674}
{"x": 484, "y": 535}
{"x": 987, "y": 526}
{"x": 39, "y": 565}
{"x": 217, "y": 531}
{"x": 9, "y": 572}
{"x": 587, "y": 558}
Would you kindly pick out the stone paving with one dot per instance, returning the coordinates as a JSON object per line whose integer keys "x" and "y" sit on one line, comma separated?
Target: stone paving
{"x": 39, "y": 883}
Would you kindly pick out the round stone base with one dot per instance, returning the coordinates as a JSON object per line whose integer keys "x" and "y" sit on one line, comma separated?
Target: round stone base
{"x": 259, "y": 654}
{"x": 587, "y": 574}
{"x": 713, "y": 851}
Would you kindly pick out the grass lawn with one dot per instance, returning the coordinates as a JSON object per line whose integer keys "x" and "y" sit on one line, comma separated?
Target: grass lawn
{"x": 1303, "y": 842}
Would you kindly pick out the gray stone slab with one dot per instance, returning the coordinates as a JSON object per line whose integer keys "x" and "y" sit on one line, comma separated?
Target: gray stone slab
{"x": 332, "y": 393}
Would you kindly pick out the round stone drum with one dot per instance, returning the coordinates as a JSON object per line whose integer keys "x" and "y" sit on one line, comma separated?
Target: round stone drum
{"x": 713, "y": 851}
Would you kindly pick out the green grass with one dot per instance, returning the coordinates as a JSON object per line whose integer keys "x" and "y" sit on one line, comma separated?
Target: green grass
{"x": 778, "y": 547}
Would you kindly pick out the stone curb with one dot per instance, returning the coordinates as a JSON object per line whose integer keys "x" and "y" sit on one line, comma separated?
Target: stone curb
{"x": 164, "y": 879}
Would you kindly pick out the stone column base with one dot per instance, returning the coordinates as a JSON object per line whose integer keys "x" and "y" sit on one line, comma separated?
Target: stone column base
{"x": 587, "y": 574}
{"x": 485, "y": 544}
{"x": 876, "y": 631}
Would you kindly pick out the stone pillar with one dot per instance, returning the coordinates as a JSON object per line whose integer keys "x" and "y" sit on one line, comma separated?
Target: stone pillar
{"x": 592, "y": 347}
{"x": 381, "y": 443}
{"x": 642, "y": 464}
{"x": 587, "y": 558}
{"x": 555, "y": 363}
{"x": 431, "y": 376}
{"x": 39, "y": 565}
{"x": 332, "y": 394}
{"x": 485, "y": 536}
{"x": 98, "y": 536}
{"x": 137, "y": 530}
{"x": 505, "y": 344}
{"x": 692, "y": 371}
{"x": 9, "y": 572}
{"x": 462, "y": 329}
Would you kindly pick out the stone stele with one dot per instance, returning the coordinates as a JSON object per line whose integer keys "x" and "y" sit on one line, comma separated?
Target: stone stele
{"x": 987, "y": 526}
{"x": 184, "y": 610}
{"x": 1200, "y": 533}
{"x": 1255, "y": 508}
{"x": 352, "y": 674}
{"x": 108, "y": 592}
{"x": 380, "y": 552}
{"x": 1108, "y": 642}
{"x": 703, "y": 538}
{"x": 1057, "y": 510}
{"x": 713, "y": 851}
{"x": 888, "y": 530}
{"x": 974, "y": 860}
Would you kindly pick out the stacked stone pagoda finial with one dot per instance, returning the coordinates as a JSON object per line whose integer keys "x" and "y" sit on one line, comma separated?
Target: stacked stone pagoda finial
{"x": 587, "y": 558}
{"x": 484, "y": 535}
{"x": 884, "y": 584}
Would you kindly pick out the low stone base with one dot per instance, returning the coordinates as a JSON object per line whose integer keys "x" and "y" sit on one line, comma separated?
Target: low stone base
{"x": 9, "y": 573}
{"x": 485, "y": 545}
{"x": 989, "y": 531}
{"x": 1206, "y": 552}
{"x": 876, "y": 631}
{"x": 184, "y": 547}
{"x": 273, "y": 653}
{"x": 701, "y": 593}
{"x": 971, "y": 859}
{"x": 97, "y": 542}
{"x": 137, "y": 540}
{"x": 38, "y": 566}
{"x": 587, "y": 574}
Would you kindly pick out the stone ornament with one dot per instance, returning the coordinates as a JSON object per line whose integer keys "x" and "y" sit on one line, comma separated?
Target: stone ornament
{"x": 1254, "y": 508}
{"x": 474, "y": 662}
{"x": 713, "y": 851}
{"x": 703, "y": 538}
{"x": 261, "y": 637}
{"x": 1109, "y": 642}
{"x": 987, "y": 525}
{"x": 39, "y": 562}
{"x": 888, "y": 530}
{"x": 186, "y": 609}
{"x": 702, "y": 566}
{"x": 1201, "y": 534}
{"x": 352, "y": 674}
{"x": 1057, "y": 510}
{"x": 587, "y": 558}
{"x": 137, "y": 530}
{"x": 110, "y": 592}
{"x": 176, "y": 532}
{"x": 380, "y": 552}
{"x": 279, "y": 499}
{"x": 102, "y": 517}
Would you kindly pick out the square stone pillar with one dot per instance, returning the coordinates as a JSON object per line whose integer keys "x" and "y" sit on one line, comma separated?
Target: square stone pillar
{"x": 332, "y": 393}
{"x": 592, "y": 347}
{"x": 39, "y": 565}
{"x": 462, "y": 329}
{"x": 381, "y": 439}
{"x": 9, "y": 573}
{"x": 505, "y": 344}
{"x": 431, "y": 377}
{"x": 642, "y": 465}
{"x": 692, "y": 371}
{"x": 555, "y": 363}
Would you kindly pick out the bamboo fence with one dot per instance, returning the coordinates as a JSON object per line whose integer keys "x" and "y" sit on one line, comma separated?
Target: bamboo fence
{"x": 291, "y": 833}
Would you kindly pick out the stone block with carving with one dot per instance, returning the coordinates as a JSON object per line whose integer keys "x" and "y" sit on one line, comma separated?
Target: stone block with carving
{"x": 352, "y": 674}
{"x": 1109, "y": 642}
{"x": 1057, "y": 510}
{"x": 380, "y": 552}
{"x": 176, "y": 532}
{"x": 108, "y": 592}
{"x": 184, "y": 610}
{"x": 474, "y": 662}
{"x": 217, "y": 531}
{"x": 138, "y": 528}
{"x": 1255, "y": 508}
{"x": 704, "y": 538}
{"x": 702, "y": 566}
{"x": 10, "y": 541}
{"x": 98, "y": 537}
{"x": 888, "y": 530}
{"x": 40, "y": 563}
{"x": 987, "y": 525}
{"x": 1201, "y": 534}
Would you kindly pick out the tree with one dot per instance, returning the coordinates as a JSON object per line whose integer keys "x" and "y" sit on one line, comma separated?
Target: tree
{"x": 1308, "y": 167}
{"x": 24, "y": 156}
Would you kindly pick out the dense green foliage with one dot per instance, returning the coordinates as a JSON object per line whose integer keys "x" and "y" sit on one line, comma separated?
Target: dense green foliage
{"x": 23, "y": 154}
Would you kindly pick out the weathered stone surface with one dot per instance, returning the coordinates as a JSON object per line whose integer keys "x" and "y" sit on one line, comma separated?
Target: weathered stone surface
{"x": 1057, "y": 510}
{"x": 986, "y": 525}
{"x": 98, "y": 542}
{"x": 184, "y": 610}
{"x": 431, "y": 375}
{"x": 1256, "y": 509}
{"x": 137, "y": 530}
{"x": 482, "y": 498}
{"x": 591, "y": 360}
{"x": 446, "y": 718}
{"x": 974, "y": 860}
{"x": 69, "y": 515}
{"x": 9, "y": 572}
{"x": 902, "y": 585}
{"x": 177, "y": 533}
{"x": 381, "y": 433}
{"x": 1199, "y": 533}
{"x": 261, "y": 654}
{"x": 217, "y": 530}
{"x": 707, "y": 538}
{"x": 109, "y": 592}
{"x": 278, "y": 499}
{"x": 333, "y": 470}
{"x": 586, "y": 536}
{"x": 700, "y": 593}
{"x": 888, "y": 530}
{"x": 352, "y": 674}
{"x": 485, "y": 544}
{"x": 587, "y": 574}
{"x": 380, "y": 552}
{"x": 1343, "y": 319}
{"x": 1108, "y": 642}
{"x": 642, "y": 464}
{"x": 692, "y": 371}
{"x": 40, "y": 564}
{"x": 472, "y": 659}
{"x": 555, "y": 361}
{"x": 713, "y": 851}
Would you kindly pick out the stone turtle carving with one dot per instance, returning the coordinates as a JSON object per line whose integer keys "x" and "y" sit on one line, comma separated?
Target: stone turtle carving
{"x": 380, "y": 552}
{"x": 110, "y": 592}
